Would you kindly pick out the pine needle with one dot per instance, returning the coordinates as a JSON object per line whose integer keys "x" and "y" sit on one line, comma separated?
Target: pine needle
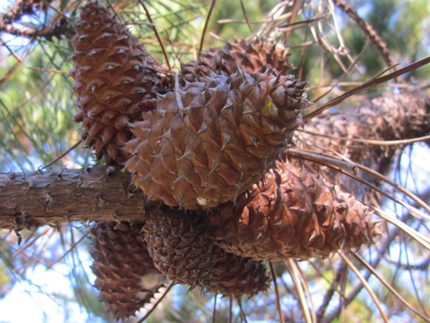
{"x": 299, "y": 288}
{"x": 391, "y": 289}
{"x": 366, "y": 285}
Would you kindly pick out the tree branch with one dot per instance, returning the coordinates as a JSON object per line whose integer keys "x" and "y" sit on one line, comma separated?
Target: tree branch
{"x": 41, "y": 198}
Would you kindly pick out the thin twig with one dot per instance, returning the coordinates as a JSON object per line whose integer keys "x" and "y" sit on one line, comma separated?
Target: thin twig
{"x": 230, "y": 311}
{"x": 330, "y": 292}
{"x": 414, "y": 211}
{"x": 63, "y": 154}
{"x": 115, "y": 13}
{"x": 408, "y": 193}
{"x": 278, "y": 299}
{"x": 391, "y": 289}
{"x": 246, "y": 16}
{"x": 242, "y": 313}
{"x": 417, "y": 236}
{"x": 20, "y": 250}
{"x": 299, "y": 288}
{"x": 153, "y": 25}
{"x": 377, "y": 42}
{"x": 324, "y": 160}
{"x": 214, "y": 310}
{"x": 367, "y": 85}
{"x": 16, "y": 65}
{"x": 58, "y": 11}
{"x": 232, "y": 21}
{"x": 308, "y": 294}
{"x": 385, "y": 179}
{"x": 294, "y": 11}
{"x": 343, "y": 75}
{"x": 19, "y": 59}
{"x": 366, "y": 285}
{"x": 206, "y": 26}
{"x": 423, "y": 266}
{"x": 156, "y": 304}
{"x": 163, "y": 48}
{"x": 370, "y": 141}
{"x": 382, "y": 250}
{"x": 46, "y": 70}
{"x": 67, "y": 252}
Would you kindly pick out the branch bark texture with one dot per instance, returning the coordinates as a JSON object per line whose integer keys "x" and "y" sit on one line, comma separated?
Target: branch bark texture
{"x": 41, "y": 198}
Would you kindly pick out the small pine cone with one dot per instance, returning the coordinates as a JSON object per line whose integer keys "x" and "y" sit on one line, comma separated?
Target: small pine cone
{"x": 252, "y": 57}
{"x": 112, "y": 73}
{"x": 183, "y": 249}
{"x": 292, "y": 214}
{"x": 396, "y": 117}
{"x": 217, "y": 140}
{"x": 126, "y": 276}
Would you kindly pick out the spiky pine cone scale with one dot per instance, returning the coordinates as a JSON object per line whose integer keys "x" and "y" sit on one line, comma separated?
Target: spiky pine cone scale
{"x": 251, "y": 56}
{"x": 183, "y": 249}
{"x": 126, "y": 276}
{"x": 112, "y": 73}
{"x": 208, "y": 142}
{"x": 292, "y": 214}
{"x": 395, "y": 117}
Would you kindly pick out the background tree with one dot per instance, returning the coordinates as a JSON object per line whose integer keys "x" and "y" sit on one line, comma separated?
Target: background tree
{"x": 328, "y": 49}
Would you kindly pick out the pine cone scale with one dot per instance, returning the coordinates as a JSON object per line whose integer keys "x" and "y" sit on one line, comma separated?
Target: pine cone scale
{"x": 112, "y": 73}
{"x": 293, "y": 214}
{"x": 126, "y": 276}
{"x": 207, "y": 158}
{"x": 183, "y": 249}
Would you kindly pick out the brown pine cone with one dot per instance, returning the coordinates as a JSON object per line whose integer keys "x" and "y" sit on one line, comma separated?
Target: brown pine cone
{"x": 208, "y": 142}
{"x": 251, "y": 56}
{"x": 112, "y": 73}
{"x": 293, "y": 213}
{"x": 183, "y": 249}
{"x": 126, "y": 276}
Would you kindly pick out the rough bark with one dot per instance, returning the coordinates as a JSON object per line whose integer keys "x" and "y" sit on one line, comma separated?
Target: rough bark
{"x": 41, "y": 198}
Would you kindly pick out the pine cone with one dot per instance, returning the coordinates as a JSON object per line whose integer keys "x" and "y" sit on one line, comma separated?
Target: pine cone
{"x": 183, "y": 249}
{"x": 252, "y": 57}
{"x": 126, "y": 276}
{"x": 112, "y": 73}
{"x": 396, "y": 117}
{"x": 292, "y": 214}
{"x": 217, "y": 140}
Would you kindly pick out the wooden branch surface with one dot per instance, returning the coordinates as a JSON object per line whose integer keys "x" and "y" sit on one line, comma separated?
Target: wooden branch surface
{"x": 34, "y": 199}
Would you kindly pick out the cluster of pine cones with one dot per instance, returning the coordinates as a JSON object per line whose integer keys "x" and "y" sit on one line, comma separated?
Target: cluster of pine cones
{"x": 207, "y": 144}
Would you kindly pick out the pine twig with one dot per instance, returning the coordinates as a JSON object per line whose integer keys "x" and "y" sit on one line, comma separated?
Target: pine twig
{"x": 206, "y": 26}
{"x": 372, "y": 82}
{"x": 377, "y": 42}
{"x": 156, "y": 304}
{"x": 160, "y": 41}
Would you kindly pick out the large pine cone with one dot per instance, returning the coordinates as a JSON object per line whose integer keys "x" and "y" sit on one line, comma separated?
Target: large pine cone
{"x": 292, "y": 214}
{"x": 209, "y": 142}
{"x": 112, "y": 73}
{"x": 183, "y": 249}
{"x": 126, "y": 276}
